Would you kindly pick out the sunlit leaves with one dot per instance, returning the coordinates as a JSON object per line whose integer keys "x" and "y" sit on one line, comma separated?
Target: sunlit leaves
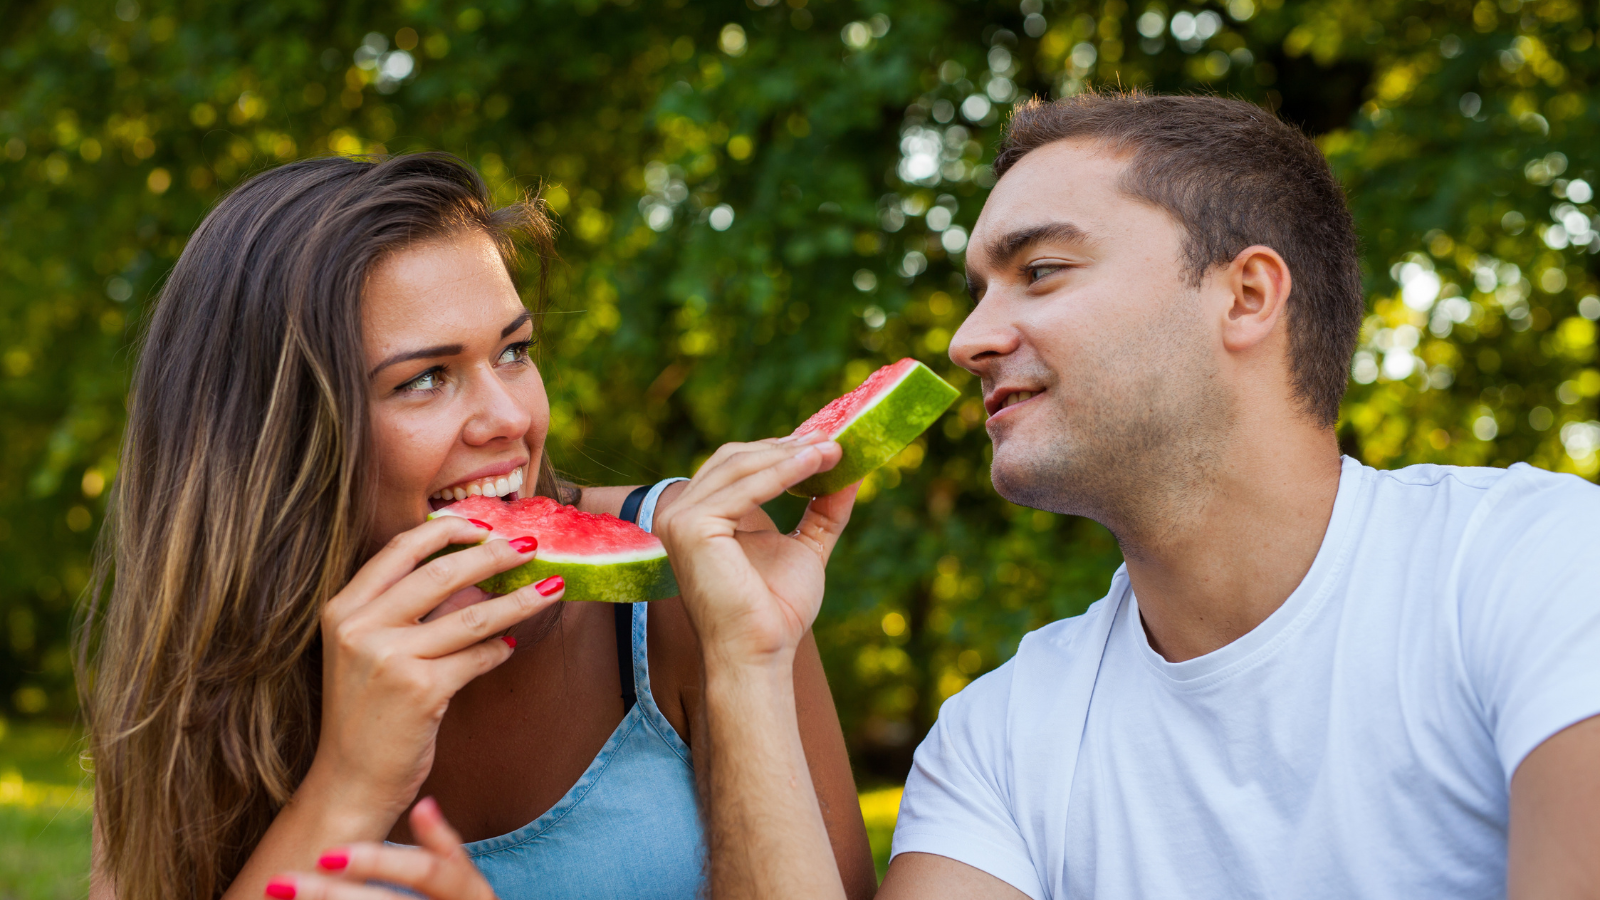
{"x": 762, "y": 202}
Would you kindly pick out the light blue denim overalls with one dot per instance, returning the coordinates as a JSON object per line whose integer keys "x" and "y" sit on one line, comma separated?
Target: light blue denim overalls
{"x": 630, "y": 827}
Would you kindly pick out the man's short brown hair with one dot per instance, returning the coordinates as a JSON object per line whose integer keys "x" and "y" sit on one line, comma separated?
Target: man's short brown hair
{"x": 1232, "y": 175}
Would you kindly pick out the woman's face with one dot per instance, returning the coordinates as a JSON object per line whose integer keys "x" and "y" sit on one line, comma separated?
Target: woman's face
{"x": 458, "y": 408}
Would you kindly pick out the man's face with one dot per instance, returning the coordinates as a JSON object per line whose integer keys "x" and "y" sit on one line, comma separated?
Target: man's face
{"x": 1098, "y": 359}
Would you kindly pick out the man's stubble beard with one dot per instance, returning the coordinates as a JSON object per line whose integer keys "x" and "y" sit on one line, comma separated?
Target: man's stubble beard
{"x": 1132, "y": 439}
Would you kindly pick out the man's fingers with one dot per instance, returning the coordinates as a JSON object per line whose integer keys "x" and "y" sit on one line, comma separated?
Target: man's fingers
{"x": 478, "y": 622}
{"x": 317, "y": 886}
{"x": 721, "y": 454}
{"x": 825, "y": 519}
{"x": 747, "y": 479}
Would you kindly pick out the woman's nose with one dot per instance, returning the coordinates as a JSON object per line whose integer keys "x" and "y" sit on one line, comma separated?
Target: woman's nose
{"x": 497, "y": 413}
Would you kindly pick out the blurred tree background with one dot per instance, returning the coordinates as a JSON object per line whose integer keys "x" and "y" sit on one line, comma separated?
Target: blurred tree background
{"x": 761, "y": 202}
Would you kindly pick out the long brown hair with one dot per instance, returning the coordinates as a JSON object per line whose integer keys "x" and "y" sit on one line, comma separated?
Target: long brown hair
{"x": 241, "y": 506}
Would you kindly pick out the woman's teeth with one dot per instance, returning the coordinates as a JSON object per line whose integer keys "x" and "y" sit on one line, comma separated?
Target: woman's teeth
{"x": 485, "y": 487}
{"x": 1018, "y": 397}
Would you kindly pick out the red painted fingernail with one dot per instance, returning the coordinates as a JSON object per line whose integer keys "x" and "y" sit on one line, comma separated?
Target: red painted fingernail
{"x": 510, "y": 641}
{"x": 280, "y": 890}
{"x": 550, "y": 585}
{"x": 481, "y": 524}
{"x": 525, "y": 544}
{"x": 334, "y": 861}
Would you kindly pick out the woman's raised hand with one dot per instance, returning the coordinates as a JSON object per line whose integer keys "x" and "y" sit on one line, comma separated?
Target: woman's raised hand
{"x": 439, "y": 869}
{"x": 388, "y": 676}
{"x": 753, "y": 594}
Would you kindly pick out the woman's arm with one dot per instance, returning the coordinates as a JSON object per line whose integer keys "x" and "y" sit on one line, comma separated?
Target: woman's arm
{"x": 387, "y": 680}
{"x": 835, "y": 785}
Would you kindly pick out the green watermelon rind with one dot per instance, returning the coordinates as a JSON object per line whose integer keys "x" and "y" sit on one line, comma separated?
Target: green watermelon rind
{"x": 648, "y": 579}
{"x": 621, "y": 582}
{"x": 880, "y": 433}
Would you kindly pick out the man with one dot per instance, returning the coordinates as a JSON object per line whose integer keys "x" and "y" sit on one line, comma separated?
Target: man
{"x": 1310, "y": 678}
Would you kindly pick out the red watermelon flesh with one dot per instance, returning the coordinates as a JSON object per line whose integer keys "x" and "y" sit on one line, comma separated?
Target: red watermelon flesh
{"x": 876, "y": 421}
{"x": 836, "y": 416}
{"x": 600, "y": 557}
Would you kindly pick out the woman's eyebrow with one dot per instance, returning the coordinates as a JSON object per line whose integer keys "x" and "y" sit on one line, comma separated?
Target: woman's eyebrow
{"x": 408, "y": 355}
{"x": 442, "y": 349}
{"x": 516, "y": 323}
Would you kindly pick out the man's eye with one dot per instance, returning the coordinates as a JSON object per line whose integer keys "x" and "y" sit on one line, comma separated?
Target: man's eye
{"x": 1037, "y": 272}
{"x": 427, "y": 381}
{"x": 517, "y": 352}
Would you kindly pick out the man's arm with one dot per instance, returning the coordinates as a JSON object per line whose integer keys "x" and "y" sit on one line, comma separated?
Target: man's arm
{"x": 1555, "y": 818}
{"x": 767, "y": 836}
{"x": 817, "y": 719}
{"x": 913, "y": 876}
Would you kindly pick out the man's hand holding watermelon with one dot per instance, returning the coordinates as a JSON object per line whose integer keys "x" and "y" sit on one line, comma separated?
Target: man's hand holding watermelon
{"x": 752, "y": 596}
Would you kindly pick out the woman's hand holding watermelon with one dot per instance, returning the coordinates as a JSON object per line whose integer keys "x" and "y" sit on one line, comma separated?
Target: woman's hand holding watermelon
{"x": 389, "y": 675}
{"x": 752, "y": 595}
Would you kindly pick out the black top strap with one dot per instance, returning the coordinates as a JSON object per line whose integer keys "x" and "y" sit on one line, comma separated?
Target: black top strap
{"x": 623, "y": 612}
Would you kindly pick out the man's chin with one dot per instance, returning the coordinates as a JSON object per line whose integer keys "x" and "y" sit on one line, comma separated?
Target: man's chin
{"x": 1024, "y": 485}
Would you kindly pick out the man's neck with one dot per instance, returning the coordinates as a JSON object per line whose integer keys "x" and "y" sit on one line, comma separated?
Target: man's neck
{"x": 1218, "y": 570}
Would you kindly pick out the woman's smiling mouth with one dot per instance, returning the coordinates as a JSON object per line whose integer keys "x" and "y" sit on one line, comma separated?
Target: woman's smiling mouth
{"x": 505, "y": 486}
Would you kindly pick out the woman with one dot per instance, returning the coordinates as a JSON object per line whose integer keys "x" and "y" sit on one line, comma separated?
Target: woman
{"x": 276, "y": 667}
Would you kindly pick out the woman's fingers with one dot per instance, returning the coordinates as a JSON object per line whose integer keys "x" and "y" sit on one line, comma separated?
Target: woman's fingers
{"x": 400, "y": 558}
{"x": 453, "y": 671}
{"x": 415, "y": 595}
{"x": 433, "y": 832}
{"x": 461, "y": 599}
{"x": 317, "y": 886}
{"x": 825, "y": 519}
{"x": 480, "y": 621}
{"x": 440, "y": 869}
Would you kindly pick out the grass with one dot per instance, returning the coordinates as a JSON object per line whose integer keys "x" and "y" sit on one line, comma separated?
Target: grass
{"x": 879, "y": 808}
{"x": 44, "y": 815}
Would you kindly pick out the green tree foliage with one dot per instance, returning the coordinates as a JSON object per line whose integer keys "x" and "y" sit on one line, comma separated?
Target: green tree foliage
{"x": 761, "y": 202}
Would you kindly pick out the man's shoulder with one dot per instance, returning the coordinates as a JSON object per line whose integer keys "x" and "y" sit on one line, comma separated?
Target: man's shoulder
{"x": 1484, "y": 504}
{"x": 1519, "y": 481}
{"x": 1045, "y": 661}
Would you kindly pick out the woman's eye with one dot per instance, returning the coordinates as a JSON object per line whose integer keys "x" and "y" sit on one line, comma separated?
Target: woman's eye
{"x": 1037, "y": 272}
{"x": 427, "y": 381}
{"x": 515, "y": 353}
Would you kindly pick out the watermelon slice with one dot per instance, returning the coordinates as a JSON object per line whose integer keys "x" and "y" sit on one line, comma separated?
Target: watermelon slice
{"x": 600, "y": 557}
{"x": 876, "y": 421}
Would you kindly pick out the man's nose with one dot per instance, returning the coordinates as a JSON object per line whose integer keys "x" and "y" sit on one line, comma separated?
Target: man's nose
{"x": 987, "y": 334}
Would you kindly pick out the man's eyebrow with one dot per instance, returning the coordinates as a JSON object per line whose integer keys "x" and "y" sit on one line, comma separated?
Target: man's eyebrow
{"x": 516, "y": 323}
{"x": 1007, "y": 246}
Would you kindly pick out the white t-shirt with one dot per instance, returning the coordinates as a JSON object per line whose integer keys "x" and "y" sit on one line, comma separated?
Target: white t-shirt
{"x": 1359, "y": 743}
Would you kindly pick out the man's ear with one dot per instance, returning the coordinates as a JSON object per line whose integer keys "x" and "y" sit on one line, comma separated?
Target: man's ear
{"x": 1260, "y": 283}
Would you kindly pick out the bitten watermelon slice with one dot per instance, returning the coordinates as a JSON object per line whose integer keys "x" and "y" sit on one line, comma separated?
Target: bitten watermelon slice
{"x": 600, "y": 557}
{"x": 876, "y": 421}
